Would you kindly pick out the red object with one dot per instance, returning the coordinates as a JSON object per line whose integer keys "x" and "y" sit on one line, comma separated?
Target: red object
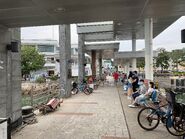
{"x": 115, "y": 75}
{"x": 53, "y": 103}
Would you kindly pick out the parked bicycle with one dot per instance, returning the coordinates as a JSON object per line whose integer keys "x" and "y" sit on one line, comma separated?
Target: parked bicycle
{"x": 175, "y": 122}
{"x": 82, "y": 87}
{"x": 149, "y": 117}
{"x": 171, "y": 114}
{"x": 74, "y": 89}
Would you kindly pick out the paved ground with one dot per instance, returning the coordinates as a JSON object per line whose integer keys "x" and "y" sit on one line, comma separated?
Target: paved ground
{"x": 97, "y": 116}
{"x": 135, "y": 130}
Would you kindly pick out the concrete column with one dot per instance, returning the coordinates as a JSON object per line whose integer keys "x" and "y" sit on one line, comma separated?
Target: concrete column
{"x": 128, "y": 67}
{"x": 10, "y": 73}
{"x": 134, "y": 64}
{"x": 81, "y": 58}
{"x": 100, "y": 64}
{"x": 65, "y": 60}
{"x": 149, "y": 48}
{"x": 93, "y": 56}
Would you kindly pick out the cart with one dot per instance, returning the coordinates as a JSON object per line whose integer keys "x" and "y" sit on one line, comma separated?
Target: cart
{"x": 51, "y": 106}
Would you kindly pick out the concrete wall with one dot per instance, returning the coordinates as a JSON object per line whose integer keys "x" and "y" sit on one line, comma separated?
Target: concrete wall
{"x": 163, "y": 81}
{"x": 10, "y": 76}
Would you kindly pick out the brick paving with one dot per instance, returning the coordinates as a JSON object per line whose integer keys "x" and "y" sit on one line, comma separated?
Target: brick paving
{"x": 95, "y": 116}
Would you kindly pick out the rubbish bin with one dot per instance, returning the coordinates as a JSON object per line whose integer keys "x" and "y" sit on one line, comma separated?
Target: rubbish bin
{"x": 5, "y": 130}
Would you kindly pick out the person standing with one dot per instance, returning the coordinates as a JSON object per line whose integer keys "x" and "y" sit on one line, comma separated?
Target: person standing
{"x": 135, "y": 81}
{"x": 116, "y": 77}
{"x": 130, "y": 87}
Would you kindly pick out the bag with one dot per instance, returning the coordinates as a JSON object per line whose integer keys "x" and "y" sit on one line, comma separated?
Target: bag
{"x": 125, "y": 87}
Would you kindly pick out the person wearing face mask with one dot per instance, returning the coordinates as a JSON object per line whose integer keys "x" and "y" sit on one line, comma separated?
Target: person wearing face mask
{"x": 141, "y": 90}
{"x": 143, "y": 97}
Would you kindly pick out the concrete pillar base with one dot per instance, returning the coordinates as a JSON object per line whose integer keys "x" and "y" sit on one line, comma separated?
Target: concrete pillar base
{"x": 149, "y": 48}
{"x": 81, "y": 58}
{"x": 93, "y": 55}
{"x": 134, "y": 64}
{"x": 65, "y": 58}
{"x": 10, "y": 76}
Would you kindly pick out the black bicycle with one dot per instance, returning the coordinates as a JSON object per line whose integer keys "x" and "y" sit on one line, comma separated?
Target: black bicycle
{"x": 74, "y": 89}
{"x": 171, "y": 114}
{"x": 149, "y": 117}
{"x": 175, "y": 122}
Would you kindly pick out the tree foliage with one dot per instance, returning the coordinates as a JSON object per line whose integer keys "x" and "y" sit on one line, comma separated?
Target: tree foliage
{"x": 141, "y": 62}
{"x": 163, "y": 59}
{"x": 31, "y": 60}
{"x": 178, "y": 57}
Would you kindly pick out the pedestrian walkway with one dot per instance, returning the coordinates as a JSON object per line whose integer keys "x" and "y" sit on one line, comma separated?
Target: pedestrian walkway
{"x": 135, "y": 130}
{"x": 95, "y": 116}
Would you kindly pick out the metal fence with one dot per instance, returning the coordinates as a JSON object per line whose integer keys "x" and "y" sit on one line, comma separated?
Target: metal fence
{"x": 38, "y": 99}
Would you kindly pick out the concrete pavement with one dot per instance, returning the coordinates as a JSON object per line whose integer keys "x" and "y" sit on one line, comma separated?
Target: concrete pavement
{"x": 100, "y": 115}
{"x": 135, "y": 130}
{"x": 95, "y": 116}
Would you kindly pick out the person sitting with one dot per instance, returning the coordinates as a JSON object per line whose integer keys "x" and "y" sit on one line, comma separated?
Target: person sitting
{"x": 130, "y": 88}
{"x": 141, "y": 99}
{"x": 141, "y": 90}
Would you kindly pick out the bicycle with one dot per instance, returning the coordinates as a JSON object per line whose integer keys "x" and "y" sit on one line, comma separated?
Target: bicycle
{"x": 74, "y": 89}
{"x": 171, "y": 114}
{"x": 84, "y": 87}
{"x": 149, "y": 117}
{"x": 175, "y": 122}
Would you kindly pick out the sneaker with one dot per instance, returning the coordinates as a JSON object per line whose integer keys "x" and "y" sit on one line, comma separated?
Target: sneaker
{"x": 132, "y": 106}
{"x": 129, "y": 98}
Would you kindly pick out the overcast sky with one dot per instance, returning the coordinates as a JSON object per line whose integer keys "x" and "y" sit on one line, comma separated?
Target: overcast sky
{"x": 169, "y": 39}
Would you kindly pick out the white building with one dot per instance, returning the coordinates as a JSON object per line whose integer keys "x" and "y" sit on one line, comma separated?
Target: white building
{"x": 50, "y": 50}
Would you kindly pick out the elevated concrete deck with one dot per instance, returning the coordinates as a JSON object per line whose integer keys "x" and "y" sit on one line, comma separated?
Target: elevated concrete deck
{"x": 136, "y": 54}
{"x": 99, "y": 31}
{"x": 104, "y": 46}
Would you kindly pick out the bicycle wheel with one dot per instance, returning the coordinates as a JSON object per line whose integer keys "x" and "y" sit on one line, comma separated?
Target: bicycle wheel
{"x": 148, "y": 118}
{"x": 175, "y": 125}
{"x": 86, "y": 91}
{"x": 74, "y": 91}
{"x": 90, "y": 90}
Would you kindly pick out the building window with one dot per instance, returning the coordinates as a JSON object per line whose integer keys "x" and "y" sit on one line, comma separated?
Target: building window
{"x": 57, "y": 49}
{"x": 46, "y": 48}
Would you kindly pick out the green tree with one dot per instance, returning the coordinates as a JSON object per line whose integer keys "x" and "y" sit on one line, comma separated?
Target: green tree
{"x": 178, "y": 57}
{"x": 182, "y": 60}
{"x": 163, "y": 59}
{"x": 31, "y": 60}
{"x": 140, "y": 63}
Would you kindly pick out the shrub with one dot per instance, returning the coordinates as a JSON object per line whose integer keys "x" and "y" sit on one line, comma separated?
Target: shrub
{"x": 54, "y": 78}
{"x": 40, "y": 80}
